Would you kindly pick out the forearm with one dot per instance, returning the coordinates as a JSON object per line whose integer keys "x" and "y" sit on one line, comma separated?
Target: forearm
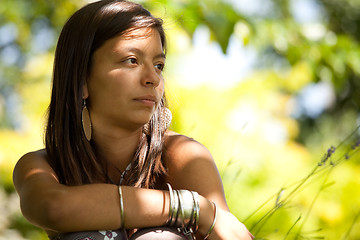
{"x": 96, "y": 206}
{"x": 145, "y": 207}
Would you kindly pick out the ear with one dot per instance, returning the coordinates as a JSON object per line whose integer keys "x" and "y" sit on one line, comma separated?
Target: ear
{"x": 85, "y": 90}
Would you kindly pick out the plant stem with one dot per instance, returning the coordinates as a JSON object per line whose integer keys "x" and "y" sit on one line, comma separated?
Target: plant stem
{"x": 351, "y": 226}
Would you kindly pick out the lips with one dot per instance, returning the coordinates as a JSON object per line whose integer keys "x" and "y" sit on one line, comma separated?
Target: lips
{"x": 148, "y": 100}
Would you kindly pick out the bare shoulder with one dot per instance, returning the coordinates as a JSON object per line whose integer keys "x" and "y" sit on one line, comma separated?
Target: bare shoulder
{"x": 31, "y": 164}
{"x": 180, "y": 149}
{"x": 35, "y": 155}
{"x": 191, "y": 166}
{"x": 33, "y": 160}
{"x": 186, "y": 158}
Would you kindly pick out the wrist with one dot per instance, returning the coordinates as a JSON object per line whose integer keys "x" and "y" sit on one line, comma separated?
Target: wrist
{"x": 206, "y": 216}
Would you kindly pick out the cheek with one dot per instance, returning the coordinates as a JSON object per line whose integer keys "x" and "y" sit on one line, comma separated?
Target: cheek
{"x": 161, "y": 87}
{"x": 102, "y": 95}
{"x": 107, "y": 83}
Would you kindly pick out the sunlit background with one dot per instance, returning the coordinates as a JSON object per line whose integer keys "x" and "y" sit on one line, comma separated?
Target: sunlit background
{"x": 269, "y": 86}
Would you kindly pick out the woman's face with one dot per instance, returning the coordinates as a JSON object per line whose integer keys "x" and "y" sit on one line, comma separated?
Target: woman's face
{"x": 126, "y": 83}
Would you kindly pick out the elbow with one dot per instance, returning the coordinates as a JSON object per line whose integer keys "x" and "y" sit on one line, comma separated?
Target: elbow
{"x": 55, "y": 215}
{"x": 48, "y": 214}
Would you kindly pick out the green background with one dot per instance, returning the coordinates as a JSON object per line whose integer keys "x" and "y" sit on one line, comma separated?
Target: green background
{"x": 267, "y": 131}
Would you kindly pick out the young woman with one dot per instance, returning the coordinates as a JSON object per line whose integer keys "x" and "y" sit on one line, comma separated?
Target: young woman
{"x": 110, "y": 164}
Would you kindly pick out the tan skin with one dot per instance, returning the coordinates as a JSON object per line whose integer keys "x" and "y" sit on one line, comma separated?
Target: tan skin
{"x": 123, "y": 91}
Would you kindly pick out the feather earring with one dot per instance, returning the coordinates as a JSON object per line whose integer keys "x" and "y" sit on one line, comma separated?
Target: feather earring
{"x": 165, "y": 120}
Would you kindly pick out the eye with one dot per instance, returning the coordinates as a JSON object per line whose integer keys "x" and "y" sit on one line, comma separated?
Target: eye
{"x": 131, "y": 61}
{"x": 160, "y": 66}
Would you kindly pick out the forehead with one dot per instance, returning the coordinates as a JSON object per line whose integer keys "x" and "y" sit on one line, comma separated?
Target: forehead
{"x": 139, "y": 33}
{"x": 139, "y": 38}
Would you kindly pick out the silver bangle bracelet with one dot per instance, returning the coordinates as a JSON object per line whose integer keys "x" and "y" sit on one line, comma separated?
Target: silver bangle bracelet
{"x": 176, "y": 209}
{"x": 122, "y": 216}
{"x": 187, "y": 208}
{"x": 183, "y": 211}
{"x": 213, "y": 224}
{"x": 197, "y": 210}
{"x": 181, "y": 208}
{"x": 171, "y": 205}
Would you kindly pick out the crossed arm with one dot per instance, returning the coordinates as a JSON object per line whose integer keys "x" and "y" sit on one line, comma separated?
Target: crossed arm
{"x": 59, "y": 208}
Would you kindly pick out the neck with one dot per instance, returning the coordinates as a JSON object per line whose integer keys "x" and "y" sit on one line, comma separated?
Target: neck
{"x": 117, "y": 148}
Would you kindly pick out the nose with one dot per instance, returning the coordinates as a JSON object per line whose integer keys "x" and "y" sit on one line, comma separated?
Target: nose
{"x": 150, "y": 77}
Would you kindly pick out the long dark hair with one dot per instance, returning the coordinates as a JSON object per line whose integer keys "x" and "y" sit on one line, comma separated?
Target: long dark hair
{"x": 72, "y": 157}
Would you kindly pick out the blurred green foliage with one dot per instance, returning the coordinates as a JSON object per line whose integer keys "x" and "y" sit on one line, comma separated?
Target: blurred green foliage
{"x": 262, "y": 131}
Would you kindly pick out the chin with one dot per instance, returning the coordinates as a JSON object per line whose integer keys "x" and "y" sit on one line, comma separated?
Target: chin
{"x": 140, "y": 123}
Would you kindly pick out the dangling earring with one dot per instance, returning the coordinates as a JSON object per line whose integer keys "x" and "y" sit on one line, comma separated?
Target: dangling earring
{"x": 86, "y": 121}
{"x": 166, "y": 118}
{"x": 146, "y": 129}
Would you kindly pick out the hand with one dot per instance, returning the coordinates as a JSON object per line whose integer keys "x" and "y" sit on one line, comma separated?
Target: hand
{"x": 228, "y": 227}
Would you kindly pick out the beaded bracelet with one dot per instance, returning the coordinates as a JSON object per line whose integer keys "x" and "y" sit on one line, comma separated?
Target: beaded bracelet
{"x": 122, "y": 217}
{"x": 213, "y": 224}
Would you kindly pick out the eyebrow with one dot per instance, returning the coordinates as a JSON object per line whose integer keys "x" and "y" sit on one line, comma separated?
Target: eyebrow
{"x": 141, "y": 53}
